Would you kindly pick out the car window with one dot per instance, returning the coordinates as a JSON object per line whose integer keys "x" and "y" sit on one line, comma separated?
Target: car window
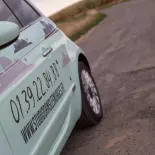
{"x": 6, "y": 14}
{"x": 23, "y": 11}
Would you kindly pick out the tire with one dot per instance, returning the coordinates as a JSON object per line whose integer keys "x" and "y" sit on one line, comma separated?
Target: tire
{"x": 91, "y": 103}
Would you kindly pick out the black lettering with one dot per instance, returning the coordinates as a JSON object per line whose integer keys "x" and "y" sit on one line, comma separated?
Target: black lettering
{"x": 30, "y": 95}
{"x": 28, "y": 131}
{"x": 56, "y": 69}
{"x": 26, "y": 101}
{"x": 32, "y": 126}
{"x": 53, "y": 71}
{"x": 20, "y": 105}
{"x": 41, "y": 86}
{"x": 24, "y": 136}
{"x": 39, "y": 117}
{"x": 46, "y": 79}
{"x": 38, "y": 96}
{"x": 15, "y": 116}
{"x": 35, "y": 122}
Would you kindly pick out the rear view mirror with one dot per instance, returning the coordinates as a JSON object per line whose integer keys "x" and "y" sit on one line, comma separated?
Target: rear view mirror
{"x": 8, "y": 32}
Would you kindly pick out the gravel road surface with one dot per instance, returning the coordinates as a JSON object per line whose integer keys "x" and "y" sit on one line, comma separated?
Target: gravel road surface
{"x": 121, "y": 51}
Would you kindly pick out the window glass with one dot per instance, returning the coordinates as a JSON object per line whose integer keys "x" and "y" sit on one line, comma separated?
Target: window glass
{"x": 23, "y": 11}
{"x": 6, "y": 14}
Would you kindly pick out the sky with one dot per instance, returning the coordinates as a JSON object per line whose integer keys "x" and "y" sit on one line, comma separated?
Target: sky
{"x": 49, "y": 7}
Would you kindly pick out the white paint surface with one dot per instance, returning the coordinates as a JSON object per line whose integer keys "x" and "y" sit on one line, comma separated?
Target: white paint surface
{"x": 49, "y": 7}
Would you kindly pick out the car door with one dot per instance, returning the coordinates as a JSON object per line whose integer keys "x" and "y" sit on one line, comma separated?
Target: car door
{"x": 35, "y": 83}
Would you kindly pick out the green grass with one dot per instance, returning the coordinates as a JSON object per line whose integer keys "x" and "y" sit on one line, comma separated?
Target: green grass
{"x": 81, "y": 7}
{"x": 98, "y": 18}
{"x": 80, "y": 10}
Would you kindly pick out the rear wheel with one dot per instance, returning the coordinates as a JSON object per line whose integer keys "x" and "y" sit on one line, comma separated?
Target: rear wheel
{"x": 91, "y": 103}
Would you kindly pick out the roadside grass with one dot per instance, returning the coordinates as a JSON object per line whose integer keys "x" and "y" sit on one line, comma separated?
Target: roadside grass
{"x": 75, "y": 29}
{"x": 77, "y": 19}
{"x": 82, "y": 7}
{"x": 97, "y": 19}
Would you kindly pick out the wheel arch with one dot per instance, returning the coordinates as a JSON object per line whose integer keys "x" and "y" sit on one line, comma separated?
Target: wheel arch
{"x": 82, "y": 58}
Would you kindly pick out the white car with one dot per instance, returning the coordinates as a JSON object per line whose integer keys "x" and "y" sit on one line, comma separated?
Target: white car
{"x": 46, "y": 86}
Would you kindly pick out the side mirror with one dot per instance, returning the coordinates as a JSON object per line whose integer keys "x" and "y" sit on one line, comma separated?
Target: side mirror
{"x": 8, "y": 32}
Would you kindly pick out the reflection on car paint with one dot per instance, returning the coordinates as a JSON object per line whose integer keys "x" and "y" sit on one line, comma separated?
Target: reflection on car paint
{"x": 12, "y": 75}
{"x": 5, "y": 62}
{"x": 48, "y": 28}
{"x": 66, "y": 59}
{"x": 20, "y": 44}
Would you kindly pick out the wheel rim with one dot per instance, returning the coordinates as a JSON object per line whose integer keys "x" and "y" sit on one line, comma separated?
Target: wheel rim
{"x": 91, "y": 92}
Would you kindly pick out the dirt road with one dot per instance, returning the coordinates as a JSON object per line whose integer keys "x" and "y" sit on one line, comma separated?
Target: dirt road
{"x": 121, "y": 51}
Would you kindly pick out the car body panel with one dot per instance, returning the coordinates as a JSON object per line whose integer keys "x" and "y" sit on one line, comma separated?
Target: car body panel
{"x": 25, "y": 43}
{"x": 74, "y": 108}
{"x": 40, "y": 96}
{"x": 19, "y": 86}
{"x": 6, "y": 149}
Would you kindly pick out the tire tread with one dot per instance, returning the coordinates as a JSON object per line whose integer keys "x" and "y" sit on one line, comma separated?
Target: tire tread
{"x": 87, "y": 118}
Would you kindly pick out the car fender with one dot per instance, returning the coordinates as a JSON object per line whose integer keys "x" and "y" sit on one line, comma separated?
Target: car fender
{"x": 74, "y": 52}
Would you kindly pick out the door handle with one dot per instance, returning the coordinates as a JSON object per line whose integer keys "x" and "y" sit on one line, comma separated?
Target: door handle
{"x": 47, "y": 52}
